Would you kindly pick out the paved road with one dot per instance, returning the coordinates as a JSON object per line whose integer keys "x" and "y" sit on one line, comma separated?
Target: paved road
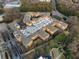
{"x": 0, "y": 56}
{"x": 12, "y": 46}
{"x": 3, "y": 27}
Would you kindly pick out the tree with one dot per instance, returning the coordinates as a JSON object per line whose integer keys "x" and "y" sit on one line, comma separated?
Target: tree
{"x": 68, "y": 53}
{"x": 41, "y": 7}
{"x": 1, "y": 11}
{"x": 68, "y": 7}
{"x": 11, "y": 14}
{"x": 36, "y": 53}
{"x": 60, "y": 38}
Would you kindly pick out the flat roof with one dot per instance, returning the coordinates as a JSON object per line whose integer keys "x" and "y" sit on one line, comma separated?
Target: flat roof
{"x": 12, "y": 3}
{"x": 35, "y": 27}
{"x": 51, "y": 29}
{"x": 43, "y": 35}
{"x": 61, "y": 25}
{"x": 28, "y": 15}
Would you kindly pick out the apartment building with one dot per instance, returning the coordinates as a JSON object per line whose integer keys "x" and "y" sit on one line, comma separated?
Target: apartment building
{"x": 41, "y": 28}
{"x": 11, "y": 3}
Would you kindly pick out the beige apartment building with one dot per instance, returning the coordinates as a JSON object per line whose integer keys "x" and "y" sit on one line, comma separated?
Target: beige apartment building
{"x": 41, "y": 28}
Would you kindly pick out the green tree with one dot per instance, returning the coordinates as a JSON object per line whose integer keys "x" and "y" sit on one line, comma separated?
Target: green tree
{"x": 68, "y": 53}
{"x": 60, "y": 38}
{"x": 41, "y": 7}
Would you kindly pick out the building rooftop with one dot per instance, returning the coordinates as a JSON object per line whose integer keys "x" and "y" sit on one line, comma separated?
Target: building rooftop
{"x": 12, "y": 3}
{"x": 35, "y": 27}
{"x": 60, "y": 25}
{"x": 41, "y": 27}
{"x": 34, "y": 31}
{"x": 37, "y": 1}
{"x": 43, "y": 35}
{"x": 56, "y": 54}
{"x": 51, "y": 29}
{"x": 35, "y": 15}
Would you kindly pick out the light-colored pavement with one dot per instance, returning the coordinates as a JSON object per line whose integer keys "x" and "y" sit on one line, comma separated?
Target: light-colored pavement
{"x": 3, "y": 27}
{"x": 0, "y": 56}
